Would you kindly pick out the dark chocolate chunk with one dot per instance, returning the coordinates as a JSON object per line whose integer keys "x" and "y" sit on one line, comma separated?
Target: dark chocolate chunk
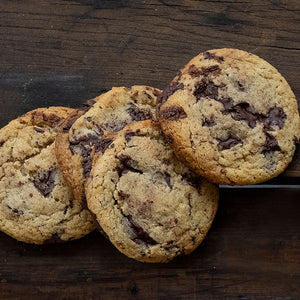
{"x": 168, "y": 138}
{"x": 173, "y": 113}
{"x": 52, "y": 119}
{"x": 296, "y": 140}
{"x": 127, "y": 164}
{"x": 69, "y": 124}
{"x": 45, "y": 182}
{"x": 102, "y": 144}
{"x": 89, "y": 119}
{"x": 227, "y": 104}
{"x": 66, "y": 209}
{"x": 194, "y": 71}
{"x": 212, "y": 69}
{"x": 210, "y": 55}
{"x": 244, "y": 111}
{"x": 209, "y": 122}
{"x": 275, "y": 117}
{"x": 87, "y": 166}
{"x": 139, "y": 236}
{"x": 192, "y": 180}
{"x": 203, "y": 89}
{"x": 271, "y": 144}
{"x": 138, "y": 114}
{"x": 39, "y": 130}
{"x": 1, "y": 143}
{"x": 167, "y": 177}
{"x": 168, "y": 91}
{"x": 241, "y": 87}
{"x": 229, "y": 142}
{"x": 87, "y": 105}
{"x": 98, "y": 130}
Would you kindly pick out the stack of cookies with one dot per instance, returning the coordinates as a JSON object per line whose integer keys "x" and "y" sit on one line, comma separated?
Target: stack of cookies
{"x": 143, "y": 164}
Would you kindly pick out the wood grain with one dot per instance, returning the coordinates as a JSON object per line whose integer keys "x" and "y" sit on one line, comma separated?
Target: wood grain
{"x": 60, "y": 52}
{"x": 251, "y": 252}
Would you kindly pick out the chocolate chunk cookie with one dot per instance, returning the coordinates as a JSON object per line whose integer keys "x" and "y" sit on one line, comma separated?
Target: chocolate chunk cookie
{"x": 36, "y": 205}
{"x": 86, "y": 130}
{"x": 151, "y": 206}
{"x": 231, "y": 117}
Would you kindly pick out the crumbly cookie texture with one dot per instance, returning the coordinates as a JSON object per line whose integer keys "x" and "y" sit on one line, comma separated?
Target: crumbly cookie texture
{"x": 85, "y": 130}
{"x": 149, "y": 204}
{"x": 231, "y": 117}
{"x": 36, "y": 205}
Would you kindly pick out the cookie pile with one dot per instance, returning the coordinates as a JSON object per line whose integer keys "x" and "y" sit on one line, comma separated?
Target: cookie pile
{"x": 142, "y": 164}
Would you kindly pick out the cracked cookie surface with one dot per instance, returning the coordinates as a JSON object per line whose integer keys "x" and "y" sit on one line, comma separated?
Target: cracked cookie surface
{"x": 231, "y": 117}
{"x": 151, "y": 206}
{"x": 86, "y": 129}
{"x": 36, "y": 205}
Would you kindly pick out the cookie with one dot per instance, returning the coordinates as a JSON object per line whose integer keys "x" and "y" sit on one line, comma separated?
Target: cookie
{"x": 231, "y": 117}
{"x": 151, "y": 206}
{"x": 87, "y": 128}
{"x": 36, "y": 205}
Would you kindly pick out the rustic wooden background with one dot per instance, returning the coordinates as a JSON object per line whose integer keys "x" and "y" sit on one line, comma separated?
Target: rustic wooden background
{"x": 63, "y": 52}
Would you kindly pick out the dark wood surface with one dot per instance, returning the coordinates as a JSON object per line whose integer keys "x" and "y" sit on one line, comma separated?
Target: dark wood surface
{"x": 63, "y": 52}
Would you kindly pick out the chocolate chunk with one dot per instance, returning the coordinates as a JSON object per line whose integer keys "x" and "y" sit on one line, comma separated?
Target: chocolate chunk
{"x": 215, "y": 70}
{"x": 129, "y": 134}
{"x": 209, "y": 122}
{"x": 167, "y": 177}
{"x": 271, "y": 144}
{"x": 296, "y": 140}
{"x": 66, "y": 209}
{"x": 127, "y": 164}
{"x": 87, "y": 166}
{"x": 203, "y": 89}
{"x": 89, "y": 119}
{"x": 173, "y": 113}
{"x": 87, "y": 105}
{"x": 139, "y": 236}
{"x": 210, "y": 55}
{"x": 1, "y": 143}
{"x": 275, "y": 117}
{"x": 138, "y": 114}
{"x": 155, "y": 92}
{"x": 51, "y": 119}
{"x": 69, "y": 124}
{"x": 229, "y": 142}
{"x": 55, "y": 238}
{"x": 194, "y": 71}
{"x": 168, "y": 138}
{"x": 39, "y": 130}
{"x": 102, "y": 144}
{"x": 244, "y": 111}
{"x": 45, "y": 182}
{"x": 123, "y": 195}
{"x": 168, "y": 91}
{"x": 99, "y": 131}
{"x": 192, "y": 180}
{"x": 227, "y": 104}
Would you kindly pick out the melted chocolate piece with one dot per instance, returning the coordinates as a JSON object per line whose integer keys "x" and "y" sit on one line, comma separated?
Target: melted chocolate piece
{"x": 209, "y": 122}
{"x": 275, "y": 117}
{"x": 203, "y": 89}
{"x": 113, "y": 126}
{"x": 52, "y": 119}
{"x": 227, "y": 104}
{"x": 98, "y": 129}
{"x": 168, "y": 91}
{"x": 139, "y": 236}
{"x": 39, "y": 130}
{"x": 271, "y": 144}
{"x": 244, "y": 111}
{"x": 194, "y": 71}
{"x": 87, "y": 105}
{"x": 229, "y": 142}
{"x": 138, "y": 114}
{"x": 45, "y": 183}
{"x": 126, "y": 163}
{"x": 1, "y": 143}
{"x": 210, "y": 55}
{"x": 67, "y": 127}
{"x": 102, "y": 144}
{"x": 241, "y": 87}
{"x": 173, "y": 113}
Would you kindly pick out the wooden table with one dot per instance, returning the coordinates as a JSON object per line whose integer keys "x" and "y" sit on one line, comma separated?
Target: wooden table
{"x": 62, "y": 52}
